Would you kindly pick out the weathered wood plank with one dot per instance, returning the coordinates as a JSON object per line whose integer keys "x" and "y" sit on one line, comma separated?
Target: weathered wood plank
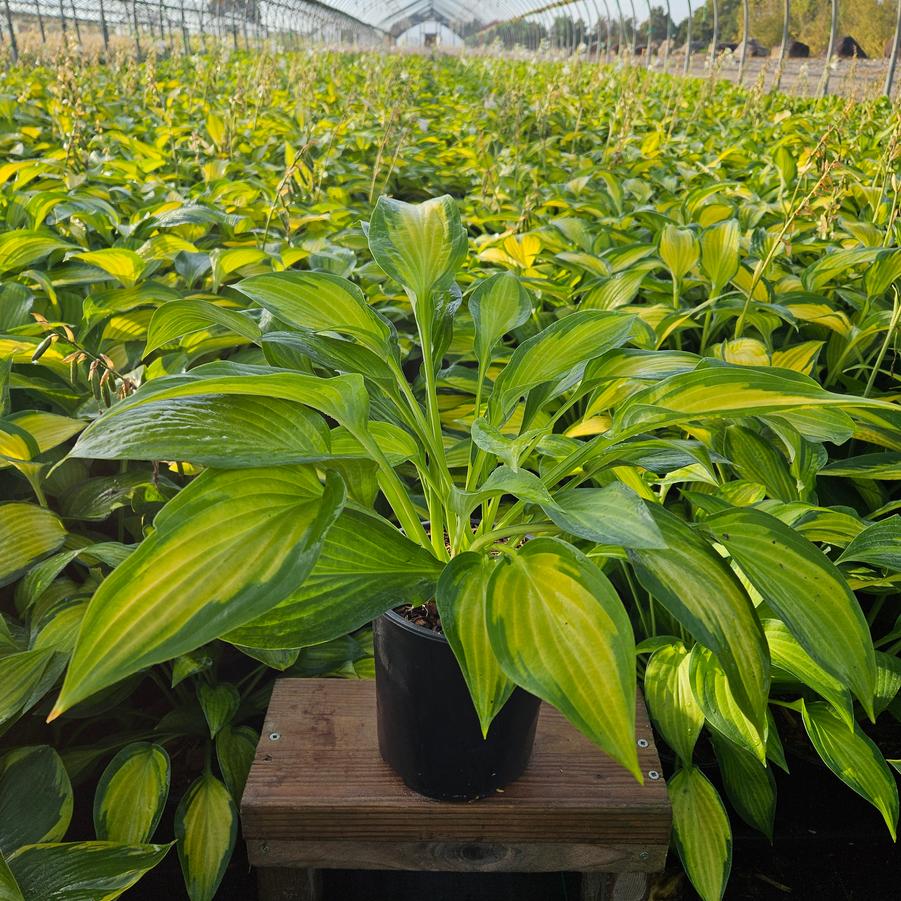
{"x": 320, "y": 795}
{"x": 539, "y": 857}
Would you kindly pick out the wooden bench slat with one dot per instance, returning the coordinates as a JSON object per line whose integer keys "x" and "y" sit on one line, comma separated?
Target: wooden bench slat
{"x": 320, "y": 795}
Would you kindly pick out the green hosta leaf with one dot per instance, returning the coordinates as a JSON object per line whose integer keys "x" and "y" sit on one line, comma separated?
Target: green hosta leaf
{"x": 854, "y": 758}
{"x": 420, "y": 245}
{"x": 343, "y": 398}
{"x": 46, "y": 430}
{"x": 522, "y": 484}
{"x": 27, "y": 533}
{"x": 807, "y": 591}
{"x": 613, "y": 515}
{"x": 559, "y": 630}
{"x": 184, "y": 317}
{"x": 21, "y": 248}
{"x": 866, "y": 466}
{"x": 701, "y": 832}
{"x": 714, "y": 390}
{"x": 757, "y": 460}
{"x": 206, "y": 826}
{"x": 35, "y": 798}
{"x": 882, "y": 272}
{"x": 24, "y": 677}
{"x": 671, "y": 702}
{"x": 557, "y": 350}
{"x": 330, "y": 352}
{"x": 878, "y": 545}
{"x": 787, "y": 654}
{"x": 124, "y": 265}
{"x": 461, "y": 598}
{"x": 699, "y": 589}
{"x": 719, "y": 253}
{"x": 132, "y": 793}
{"x": 9, "y": 888}
{"x": 219, "y": 704}
{"x": 320, "y": 302}
{"x": 226, "y": 549}
{"x": 82, "y": 871}
{"x": 226, "y": 260}
{"x": 230, "y": 432}
{"x": 750, "y": 787}
{"x": 888, "y": 680}
{"x": 366, "y": 566}
{"x": 493, "y": 441}
{"x": 679, "y": 250}
{"x": 235, "y": 749}
{"x": 498, "y": 305}
{"x": 713, "y": 693}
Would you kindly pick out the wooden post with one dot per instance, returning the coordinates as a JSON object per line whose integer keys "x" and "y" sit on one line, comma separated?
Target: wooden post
{"x": 12, "y": 32}
{"x": 745, "y": 38}
{"x": 823, "y": 89}
{"x": 687, "y": 63}
{"x": 893, "y": 62}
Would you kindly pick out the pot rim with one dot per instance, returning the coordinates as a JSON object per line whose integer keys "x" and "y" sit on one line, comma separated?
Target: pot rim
{"x": 397, "y": 620}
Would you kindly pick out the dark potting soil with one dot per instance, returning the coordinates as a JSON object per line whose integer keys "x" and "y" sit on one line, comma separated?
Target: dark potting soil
{"x": 425, "y": 615}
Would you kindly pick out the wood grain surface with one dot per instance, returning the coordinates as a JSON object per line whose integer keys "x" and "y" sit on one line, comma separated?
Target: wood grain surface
{"x": 319, "y": 795}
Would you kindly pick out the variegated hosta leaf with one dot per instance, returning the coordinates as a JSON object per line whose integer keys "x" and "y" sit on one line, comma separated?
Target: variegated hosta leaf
{"x": 559, "y": 630}
{"x": 555, "y": 351}
{"x": 210, "y": 430}
{"x": 715, "y": 390}
{"x": 679, "y": 250}
{"x": 750, "y": 787}
{"x": 9, "y": 888}
{"x": 877, "y": 545}
{"x": 807, "y": 591}
{"x": 613, "y": 515}
{"x": 101, "y": 871}
{"x": 206, "y": 826}
{"x": 122, "y": 264}
{"x": 227, "y": 548}
{"x": 24, "y": 678}
{"x": 184, "y": 317}
{"x": 419, "y": 245}
{"x": 498, "y": 305}
{"x": 235, "y": 749}
{"x": 27, "y": 533}
{"x": 701, "y": 832}
{"x": 719, "y": 253}
{"x": 366, "y": 567}
{"x": 854, "y": 758}
{"x": 321, "y": 302}
{"x": 132, "y": 793}
{"x": 699, "y": 589}
{"x": 788, "y": 655}
{"x": 20, "y": 248}
{"x": 671, "y": 702}
{"x": 713, "y": 693}
{"x": 35, "y": 798}
{"x": 461, "y": 598}
{"x": 343, "y": 398}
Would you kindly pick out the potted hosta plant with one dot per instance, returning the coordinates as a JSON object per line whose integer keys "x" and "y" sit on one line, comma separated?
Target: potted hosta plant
{"x": 504, "y": 485}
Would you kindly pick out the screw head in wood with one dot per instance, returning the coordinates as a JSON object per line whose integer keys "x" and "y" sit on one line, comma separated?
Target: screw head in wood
{"x": 642, "y": 742}
{"x": 274, "y": 736}
{"x": 643, "y": 855}
{"x": 653, "y": 774}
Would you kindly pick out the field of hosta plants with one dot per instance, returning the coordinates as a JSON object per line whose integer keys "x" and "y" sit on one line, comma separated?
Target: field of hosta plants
{"x": 603, "y": 364}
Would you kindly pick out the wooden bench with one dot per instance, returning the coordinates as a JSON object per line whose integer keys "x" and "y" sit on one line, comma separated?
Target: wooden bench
{"x": 319, "y": 796}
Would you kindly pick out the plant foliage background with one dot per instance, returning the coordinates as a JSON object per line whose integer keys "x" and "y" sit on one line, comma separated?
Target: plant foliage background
{"x": 750, "y": 240}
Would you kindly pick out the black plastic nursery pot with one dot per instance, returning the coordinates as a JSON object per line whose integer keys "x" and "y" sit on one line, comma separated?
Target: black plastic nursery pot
{"x": 427, "y": 726}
